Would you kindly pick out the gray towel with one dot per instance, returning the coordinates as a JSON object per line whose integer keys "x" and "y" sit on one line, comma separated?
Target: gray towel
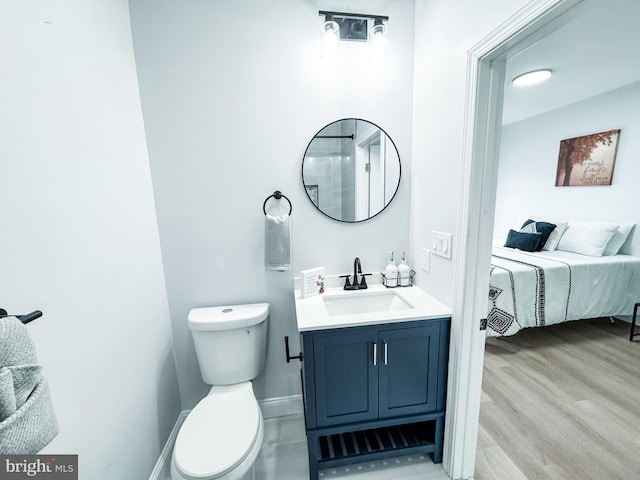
{"x": 27, "y": 421}
{"x": 31, "y": 427}
{"x": 25, "y": 379}
{"x": 277, "y": 243}
{"x": 16, "y": 347}
{"x": 7, "y": 395}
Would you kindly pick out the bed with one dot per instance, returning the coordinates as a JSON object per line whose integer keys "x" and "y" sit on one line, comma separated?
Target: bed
{"x": 540, "y": 288}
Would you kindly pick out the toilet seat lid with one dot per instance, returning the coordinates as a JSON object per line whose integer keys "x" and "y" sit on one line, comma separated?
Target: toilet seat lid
{"x": 218, "y": 434}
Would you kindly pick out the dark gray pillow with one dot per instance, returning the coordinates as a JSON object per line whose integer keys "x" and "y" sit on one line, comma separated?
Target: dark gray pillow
{"x": 523, "y": 241}
{"x": 544, "y": 228}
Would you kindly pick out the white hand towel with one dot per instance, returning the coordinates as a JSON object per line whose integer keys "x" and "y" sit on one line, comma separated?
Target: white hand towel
{"x": 277, "y": 243}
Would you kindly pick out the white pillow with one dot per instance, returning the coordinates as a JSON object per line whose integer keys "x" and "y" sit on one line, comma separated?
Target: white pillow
{"x": 556, "y": 235}
{"x": 587, "y": 238}
{"x": 619, "y": 237}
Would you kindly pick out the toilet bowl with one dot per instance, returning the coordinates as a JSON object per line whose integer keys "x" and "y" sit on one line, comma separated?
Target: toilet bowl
{"x": 221, "y": 437}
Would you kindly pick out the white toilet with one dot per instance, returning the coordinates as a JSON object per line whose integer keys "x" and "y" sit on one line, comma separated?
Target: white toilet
{"x": 221, "y": 437}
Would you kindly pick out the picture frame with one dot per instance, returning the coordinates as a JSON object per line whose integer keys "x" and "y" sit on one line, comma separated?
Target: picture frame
{"x": 588, "y": 160}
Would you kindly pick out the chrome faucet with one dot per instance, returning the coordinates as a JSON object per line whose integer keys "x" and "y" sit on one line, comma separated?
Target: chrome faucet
{"x": 357, "y": 269}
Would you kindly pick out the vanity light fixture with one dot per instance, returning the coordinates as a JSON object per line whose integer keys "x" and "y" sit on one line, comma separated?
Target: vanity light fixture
{"x": 352, "y": 27}
{"x": 531, "y": 78}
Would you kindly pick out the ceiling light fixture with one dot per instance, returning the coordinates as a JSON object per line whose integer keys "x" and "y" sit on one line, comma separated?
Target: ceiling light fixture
{"x": 352, "y": 27}
{"x": 531, "y": 78}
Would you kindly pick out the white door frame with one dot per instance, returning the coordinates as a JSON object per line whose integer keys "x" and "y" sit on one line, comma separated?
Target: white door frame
{"x": 477, "y": 192}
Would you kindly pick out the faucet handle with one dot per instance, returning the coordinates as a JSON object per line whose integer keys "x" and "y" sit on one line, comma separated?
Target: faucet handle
{"x": 347, "y": 283}
{"x": 363, "y": 282}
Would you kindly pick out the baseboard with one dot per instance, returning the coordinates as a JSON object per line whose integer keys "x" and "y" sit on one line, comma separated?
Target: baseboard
{"x": 281, "y": 406}
{"x": 270, "y": 407}
{"x": 163, "y": 466}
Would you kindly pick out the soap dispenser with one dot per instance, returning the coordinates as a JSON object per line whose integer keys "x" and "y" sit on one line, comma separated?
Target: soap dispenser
{"x": 404, "y": 272}
{"x": 391, "y": 273}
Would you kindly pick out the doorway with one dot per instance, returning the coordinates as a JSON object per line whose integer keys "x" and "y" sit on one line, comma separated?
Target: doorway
{"x": 515, "y": 189}
{"x": 479, "y": 173}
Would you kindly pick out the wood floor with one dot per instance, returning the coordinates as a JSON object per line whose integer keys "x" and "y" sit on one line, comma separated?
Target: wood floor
{"x": 562, "y": 403}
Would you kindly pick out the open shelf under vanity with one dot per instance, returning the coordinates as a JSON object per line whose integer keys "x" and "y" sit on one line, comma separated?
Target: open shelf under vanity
{"x": 336, "y": 448}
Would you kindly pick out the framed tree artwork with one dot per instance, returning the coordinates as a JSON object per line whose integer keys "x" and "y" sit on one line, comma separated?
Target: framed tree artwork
{"x": 587, "y": 160}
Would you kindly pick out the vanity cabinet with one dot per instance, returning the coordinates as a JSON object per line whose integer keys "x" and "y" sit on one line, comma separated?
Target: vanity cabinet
{"x": 374, "y": 391}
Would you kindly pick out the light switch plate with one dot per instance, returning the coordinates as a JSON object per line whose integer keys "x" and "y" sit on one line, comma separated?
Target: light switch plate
{"x": 443, "y": 244}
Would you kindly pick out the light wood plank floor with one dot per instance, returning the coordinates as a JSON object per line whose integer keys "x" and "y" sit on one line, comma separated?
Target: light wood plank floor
{"x": 562, "y": 403}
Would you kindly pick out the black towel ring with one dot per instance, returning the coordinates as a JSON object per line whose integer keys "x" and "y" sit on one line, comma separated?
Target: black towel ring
{"x": 277, "y": 195}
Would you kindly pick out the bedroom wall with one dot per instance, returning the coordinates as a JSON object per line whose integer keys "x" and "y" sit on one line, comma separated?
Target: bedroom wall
{"x": 529, "y": 158}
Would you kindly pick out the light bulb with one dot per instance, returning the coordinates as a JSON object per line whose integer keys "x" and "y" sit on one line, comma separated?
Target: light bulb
{"x": 377, "y": 42}
{"x": 330, "y": 39}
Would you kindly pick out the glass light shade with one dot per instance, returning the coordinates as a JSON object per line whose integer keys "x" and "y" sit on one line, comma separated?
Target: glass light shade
{"x": 531, "y": 78}
{"x": 377, "y": 43}
{"x": 330, "y": 40}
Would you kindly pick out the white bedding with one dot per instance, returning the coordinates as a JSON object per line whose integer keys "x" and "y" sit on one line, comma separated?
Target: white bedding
{"x": 534, "y": 289}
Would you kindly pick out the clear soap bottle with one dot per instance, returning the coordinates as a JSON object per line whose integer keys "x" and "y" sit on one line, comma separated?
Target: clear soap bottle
{"x": 391, "y": 273}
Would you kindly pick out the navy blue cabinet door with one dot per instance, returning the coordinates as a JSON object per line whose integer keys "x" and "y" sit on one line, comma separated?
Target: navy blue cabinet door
{"x": 346, "y": 377}
{"x": 408, "y": 375}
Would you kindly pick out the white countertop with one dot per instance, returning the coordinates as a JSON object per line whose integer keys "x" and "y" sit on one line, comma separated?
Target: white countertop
{"x": 312, "y": 314}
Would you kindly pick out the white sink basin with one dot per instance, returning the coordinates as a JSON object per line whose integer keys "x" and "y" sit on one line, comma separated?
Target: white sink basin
{"x": 365, "y": 302}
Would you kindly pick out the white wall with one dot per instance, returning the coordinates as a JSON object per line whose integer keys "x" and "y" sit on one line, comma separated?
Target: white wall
{"x": 529, "y": 158}
{"x": 225, "y": 83}
{"x": 445, "y": 31}
{"x": 79, "y": 237}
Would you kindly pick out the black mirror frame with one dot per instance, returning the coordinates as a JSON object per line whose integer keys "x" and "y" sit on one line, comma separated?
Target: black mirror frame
{"x": 399, "y": 172}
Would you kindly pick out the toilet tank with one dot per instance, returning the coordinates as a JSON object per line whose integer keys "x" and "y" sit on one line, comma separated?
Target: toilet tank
{"x": 230, "y": 341}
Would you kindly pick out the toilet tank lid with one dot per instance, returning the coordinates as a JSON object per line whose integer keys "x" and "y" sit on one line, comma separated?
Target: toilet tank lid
{"x": 227, "y": 317}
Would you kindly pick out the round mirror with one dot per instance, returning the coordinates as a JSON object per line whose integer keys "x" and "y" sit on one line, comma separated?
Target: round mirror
{"x": 351, "y": 170}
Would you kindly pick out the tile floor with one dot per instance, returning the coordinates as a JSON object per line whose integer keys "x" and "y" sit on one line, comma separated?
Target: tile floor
{"x": 284, "y": 457}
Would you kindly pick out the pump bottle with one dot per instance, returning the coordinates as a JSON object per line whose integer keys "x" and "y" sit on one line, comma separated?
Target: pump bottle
{"x": 404, "y": 272}
{"x": 391, "y": 273}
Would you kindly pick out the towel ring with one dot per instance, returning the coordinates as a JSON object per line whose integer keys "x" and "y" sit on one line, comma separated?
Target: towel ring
{"x": 277, "y": 195}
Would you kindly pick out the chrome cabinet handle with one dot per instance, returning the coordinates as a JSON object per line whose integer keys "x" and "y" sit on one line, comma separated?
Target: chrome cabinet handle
{"x": 386, "y": 351}
{"x": 375, "y": 354}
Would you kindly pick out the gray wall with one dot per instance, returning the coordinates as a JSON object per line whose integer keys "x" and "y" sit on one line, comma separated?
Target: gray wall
{"x": 232, "y": 93}
{"x": 79, "y": 236}
{"x": 529, "y": 158}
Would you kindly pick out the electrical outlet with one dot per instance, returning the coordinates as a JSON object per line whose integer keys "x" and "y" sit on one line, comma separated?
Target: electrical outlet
{"x": 426, "y": 259}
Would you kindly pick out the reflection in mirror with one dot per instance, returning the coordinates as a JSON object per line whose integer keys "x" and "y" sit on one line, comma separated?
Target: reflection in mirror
{"x": 351, "y": 170}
